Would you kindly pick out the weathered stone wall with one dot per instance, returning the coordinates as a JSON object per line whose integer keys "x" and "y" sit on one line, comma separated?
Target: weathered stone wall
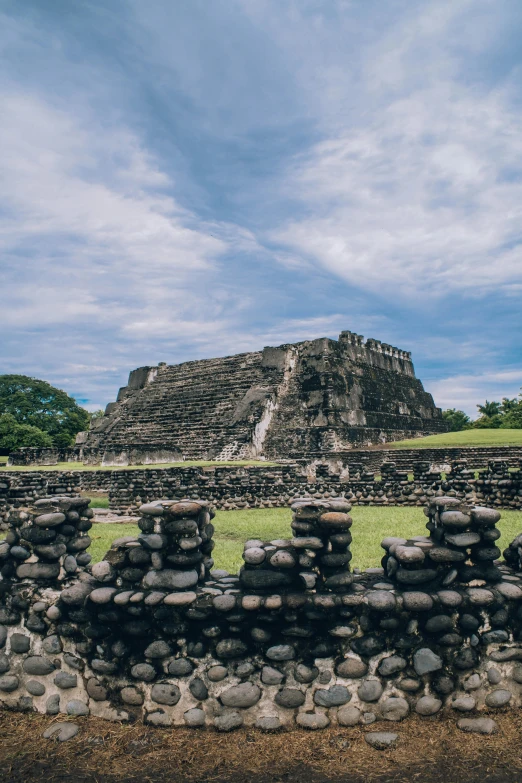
{"x": 312, "y": 397}
{"x": 257, "y": 487}
{"x": 152, "y": 633}
{"x": 248, "y": 487}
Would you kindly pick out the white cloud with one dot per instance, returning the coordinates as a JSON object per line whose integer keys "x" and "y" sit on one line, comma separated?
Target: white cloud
{"x": 465, "y": 392}
{"x": 87, "y": 214}
{"x": 419, "y": 187}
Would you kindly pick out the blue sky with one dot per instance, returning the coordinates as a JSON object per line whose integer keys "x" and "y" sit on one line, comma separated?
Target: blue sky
{"x": 186, "y": 179}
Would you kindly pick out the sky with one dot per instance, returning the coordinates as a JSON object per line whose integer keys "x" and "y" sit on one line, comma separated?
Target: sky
{"x": 189, "y": 179}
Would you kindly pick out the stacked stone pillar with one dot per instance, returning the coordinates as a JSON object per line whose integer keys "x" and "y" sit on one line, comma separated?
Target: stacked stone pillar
{"x": 317, "y": 557}
{"x": 172, "y": 553}
{"x": 460, "y": 548}
{"x": 47, "y": 541}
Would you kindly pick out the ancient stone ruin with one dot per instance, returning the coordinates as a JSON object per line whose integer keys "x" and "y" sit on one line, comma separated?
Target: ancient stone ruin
{"x": 154, "y": 633}
{"x": 313, "y": 397}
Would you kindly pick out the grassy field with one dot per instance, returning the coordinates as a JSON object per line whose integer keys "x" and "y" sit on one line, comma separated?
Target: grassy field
{"x": 371, "y": 524}
{"x": 464, "y": 438}
{"x": 186, "y": 464}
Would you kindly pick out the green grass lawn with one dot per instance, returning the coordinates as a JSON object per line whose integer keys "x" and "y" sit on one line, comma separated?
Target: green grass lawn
{"x": 464, "y": 438}
{"x": 371, "y": 524}
{"x": 186, "y": 464}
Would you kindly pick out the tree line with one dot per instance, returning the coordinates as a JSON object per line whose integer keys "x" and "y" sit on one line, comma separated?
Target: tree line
{"x": 506, "y": 415}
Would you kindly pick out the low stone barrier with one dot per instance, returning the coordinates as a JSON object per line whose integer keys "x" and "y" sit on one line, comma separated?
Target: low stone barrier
{"x": 154, "y": 633}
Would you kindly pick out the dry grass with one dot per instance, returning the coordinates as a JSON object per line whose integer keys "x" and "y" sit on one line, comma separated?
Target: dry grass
{"x": 428, "y": 750}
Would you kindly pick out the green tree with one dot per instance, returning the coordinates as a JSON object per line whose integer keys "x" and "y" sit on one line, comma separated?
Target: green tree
{"x": 96, "y": 414}
{"x": 457, "y": 420}
{"x": 489, "y": 409}
{"x": 13, "y": 435}
{"x": 38, "y": 404}
{"x": 509, "y": 405}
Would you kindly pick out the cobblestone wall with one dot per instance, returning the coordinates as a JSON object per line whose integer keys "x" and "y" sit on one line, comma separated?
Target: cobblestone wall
{"x": 154, "y": 633}
{"x": 257, "y": 487}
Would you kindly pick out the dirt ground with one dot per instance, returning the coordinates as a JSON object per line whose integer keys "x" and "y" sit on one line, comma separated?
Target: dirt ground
{"x": 429, "y": 751}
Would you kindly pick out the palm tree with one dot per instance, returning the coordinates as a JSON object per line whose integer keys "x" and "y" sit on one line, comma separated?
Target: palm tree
{"x": 489, "y": 409}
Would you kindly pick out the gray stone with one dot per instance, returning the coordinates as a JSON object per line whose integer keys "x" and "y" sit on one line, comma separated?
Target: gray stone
{"x": 450, "y": 598}
{"x": 244, "y": 670}
{"x": 228, "y": 721}
{"x": 20, "y": 643}
{"x": 52, "y": 705}
{"x": 369, "y": 717}
{"x": 351, "y": 668}
{"x": 472, "y": 683}
{"x": 313, "y": 721}
{"x": 271, "y": 676}
{"x": 143, "y": 671}
{"x": 103, "y": 571}
{"x": 498, "y": 698}
{"x": 280, "y": 652}
{"x": 180, "y": 667}
{"x": 158, "y": 649}
{"x": 290, "y": 698}
{"x": 76, "y": 707}
{"x": 96, "y": 690}
{"x": 224, "y": 603}
{"x": 428, "y": 705}
{"x": 391, "y": 665}
{"x": 35, "y": 688}
{"x": 370, "y": 690}
{"x": 102, "y": 595}
{"x": 332, "y": 697}
{"x": 381, "y": 740}
{"x": 305, "y": 674}
{"x": 70, "y": 564}
{"x": 62, "y": 731}
{"x": 170, "y": 580}
{"x": 38, "y": 571}
{"x": 381, "y": 601}
{"x": 103, "y": 667}
{"x": 64, "y": 680}
{"x": 324, "y": 677}
{"x": 198, "y": 689}
{"x": 230, "y": 648}
{"x": 194, "y": 718}
{"x": 3, "y": 635}
{"x": 494, "y": 676}
{"x": 417, "y": 601}
{"x": 409, "y": 684}
{"x": 478, "y": 725}
{"x": 455, "y": 519}
{"x": 49, "y": 520}
{"x": 132, "y": 696}
{"x": 217, "y": 673}
{"x": 254, "y": 555}
{"x": 52, "y": 645}
{"x": 37, "y": 664}
{"x": 165, "y": 693}
{"x": 394, "y": 708}
{"x": 9, "y": 683}
{"x": 268, "y": 723}
{"x": 464, "y": 703}
{"x": 425, "y": 661}
{"x": 244, "y": 695}
{"x": 480, "y": 597}
{"x": 348, "y": 716}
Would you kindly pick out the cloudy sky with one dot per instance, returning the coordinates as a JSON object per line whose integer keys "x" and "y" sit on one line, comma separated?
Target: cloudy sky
{"x": 183, "y": 179}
